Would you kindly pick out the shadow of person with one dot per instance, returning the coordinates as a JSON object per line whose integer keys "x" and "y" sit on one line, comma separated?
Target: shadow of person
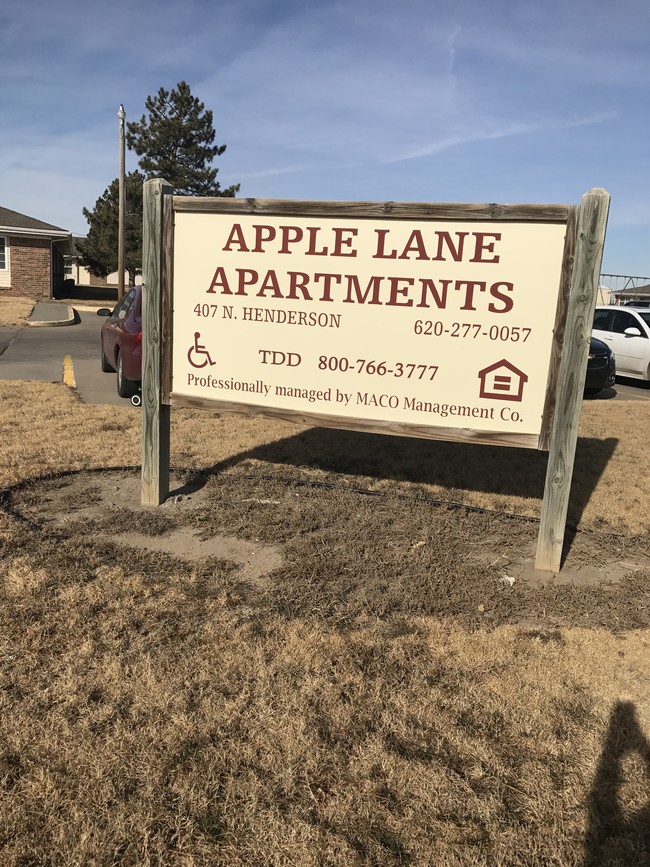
{"x": 614, "y": 836}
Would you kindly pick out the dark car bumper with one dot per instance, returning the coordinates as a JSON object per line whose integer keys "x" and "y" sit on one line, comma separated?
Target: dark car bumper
{"x": 601, "y": 370}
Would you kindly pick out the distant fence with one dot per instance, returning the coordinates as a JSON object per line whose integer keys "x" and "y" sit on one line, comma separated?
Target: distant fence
{"x": 617, "y": 288}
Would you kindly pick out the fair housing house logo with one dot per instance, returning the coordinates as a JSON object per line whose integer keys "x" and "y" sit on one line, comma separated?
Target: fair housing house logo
{"x": 502, "y": 381}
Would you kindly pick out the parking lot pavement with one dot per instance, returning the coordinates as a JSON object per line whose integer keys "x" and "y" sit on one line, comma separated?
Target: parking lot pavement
{"x": 40, "y": 354}
{"x": 631, "y": 389}
{"x": 33, "y": 354}
{"x": 7, "y": 335}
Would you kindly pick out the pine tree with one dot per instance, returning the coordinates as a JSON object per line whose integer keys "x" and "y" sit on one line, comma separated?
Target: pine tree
{"x": 98, "y": 251}
{"x": 176, "y": 142}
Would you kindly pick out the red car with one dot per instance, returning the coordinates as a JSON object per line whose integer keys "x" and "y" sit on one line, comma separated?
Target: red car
{"x": 121, "y": 341}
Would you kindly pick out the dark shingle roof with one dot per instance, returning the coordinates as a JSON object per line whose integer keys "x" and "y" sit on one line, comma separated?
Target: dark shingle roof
{"x": 13, "y": 220}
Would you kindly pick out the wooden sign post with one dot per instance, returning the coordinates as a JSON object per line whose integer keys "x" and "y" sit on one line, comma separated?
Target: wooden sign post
{"x": 592, "y": 222}
{"x": 461, "y": 322}
{"x": 156, "y": 280}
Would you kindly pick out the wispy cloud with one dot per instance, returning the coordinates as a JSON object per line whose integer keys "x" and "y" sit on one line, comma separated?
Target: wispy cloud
{"x": 491, "y": 130}
{"x": 272, "y": 172}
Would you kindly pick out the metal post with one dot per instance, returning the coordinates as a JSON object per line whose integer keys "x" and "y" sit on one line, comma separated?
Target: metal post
{"x": 121, "y": 207}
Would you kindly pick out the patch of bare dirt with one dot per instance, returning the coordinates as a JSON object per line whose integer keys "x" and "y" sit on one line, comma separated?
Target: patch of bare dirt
{"x": 317, "y": 549}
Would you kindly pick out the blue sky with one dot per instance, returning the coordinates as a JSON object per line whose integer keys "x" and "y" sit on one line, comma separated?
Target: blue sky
{"x": 467, "y": 101}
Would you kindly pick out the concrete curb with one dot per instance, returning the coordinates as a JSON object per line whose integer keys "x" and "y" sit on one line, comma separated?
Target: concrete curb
{"x": 68, "y": 319}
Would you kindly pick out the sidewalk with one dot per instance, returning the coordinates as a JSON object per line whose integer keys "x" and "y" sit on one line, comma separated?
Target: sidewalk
{"x": 51, "y": 313}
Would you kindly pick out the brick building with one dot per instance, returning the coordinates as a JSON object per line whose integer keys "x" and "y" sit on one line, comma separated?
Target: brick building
{"x": 31, "y": 255}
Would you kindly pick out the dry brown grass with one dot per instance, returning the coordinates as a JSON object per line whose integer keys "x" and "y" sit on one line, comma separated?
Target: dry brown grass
{"x": 610, "y": 477}
{"x": 366, "y": 705}
{"x": 14, "y": 311}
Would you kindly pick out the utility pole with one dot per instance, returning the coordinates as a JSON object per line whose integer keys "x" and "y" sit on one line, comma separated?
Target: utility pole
{"x": 121, "y": 207}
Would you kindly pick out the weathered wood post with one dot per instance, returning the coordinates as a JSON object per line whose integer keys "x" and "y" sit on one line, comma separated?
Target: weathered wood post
{"x": 156, "y": 262}
{"x": 592, "y": 222}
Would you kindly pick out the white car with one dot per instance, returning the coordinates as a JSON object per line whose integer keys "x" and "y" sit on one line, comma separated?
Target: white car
{"x": 626, "y": 330}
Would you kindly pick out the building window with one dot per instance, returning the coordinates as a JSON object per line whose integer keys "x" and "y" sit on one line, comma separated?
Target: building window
{"x": 3, "y": 254}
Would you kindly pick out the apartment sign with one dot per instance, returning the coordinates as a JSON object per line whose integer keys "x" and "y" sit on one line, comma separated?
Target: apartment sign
{"x": 466, "y": 322}
{"x": 421, "y": 326}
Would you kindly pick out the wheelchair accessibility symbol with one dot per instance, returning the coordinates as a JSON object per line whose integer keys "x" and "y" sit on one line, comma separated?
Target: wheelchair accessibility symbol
{"x": 198, "y": 355}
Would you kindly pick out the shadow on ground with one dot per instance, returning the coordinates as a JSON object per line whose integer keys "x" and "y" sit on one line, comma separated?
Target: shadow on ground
{"x": 457, "y": 467}
{"x": 306, "y": 548}
{"x": 88, "y": 293}
{"x": 615, "y": 836}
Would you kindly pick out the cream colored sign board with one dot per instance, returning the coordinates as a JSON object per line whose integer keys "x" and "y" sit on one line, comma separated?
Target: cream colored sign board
{"x": 434, "y": 323}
